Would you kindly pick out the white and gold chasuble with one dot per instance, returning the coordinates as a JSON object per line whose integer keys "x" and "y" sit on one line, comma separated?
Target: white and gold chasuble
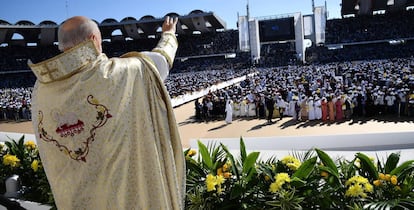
{"x": 106, "y": 130}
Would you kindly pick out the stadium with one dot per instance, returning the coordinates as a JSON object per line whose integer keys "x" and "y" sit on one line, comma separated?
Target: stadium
{"x": 362, "y": 64}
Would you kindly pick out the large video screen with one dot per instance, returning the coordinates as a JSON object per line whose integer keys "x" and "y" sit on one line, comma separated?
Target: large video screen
{"x": 277, "y": 29}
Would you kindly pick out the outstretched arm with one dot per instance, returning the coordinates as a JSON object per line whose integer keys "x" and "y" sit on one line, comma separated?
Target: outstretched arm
{"x": 164, "y": 53}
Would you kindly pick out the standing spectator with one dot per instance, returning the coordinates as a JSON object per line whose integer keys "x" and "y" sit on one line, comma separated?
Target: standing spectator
{"x": 270, "y": 106}
{"x": 324, "y": 109}
{"x": 317, "y": 106}
{"x": 339, "y": 109}
{"x": 198, "y": 109}
{"x": 281, "y": 105}
{"x": 229, "y": 111}
{"x": 311, "y": 109}
{"x": 331, "y": 110}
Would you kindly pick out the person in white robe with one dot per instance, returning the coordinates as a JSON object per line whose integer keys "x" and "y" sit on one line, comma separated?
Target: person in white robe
{"x": 311, "y": 109}
{"x": 317, "y": 104}
{"x": 106, "y": 130}
{"x": 243, "y": 108}
{"x": 229, "y": 111}
{"x": 236, "y": 108}
{"x": 281, "y": 105}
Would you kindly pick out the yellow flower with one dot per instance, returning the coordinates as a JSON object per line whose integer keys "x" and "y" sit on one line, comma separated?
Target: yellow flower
{"x": 377, "y": 183}
{"x": 368, "y": 187}
{"x": 220, "y": 171}
{"x": 30, "y": 145}
{"x": 358, "y": 186}
{"x": 324, "y": 174}
{"x": 291, "y": 162}
{"x": 211, "y": 183}
{"x": 355, "y": 191}
{"x": 227, "y": 175}
{"x": 387, "y": 177}
{"x": 11, "y": 160}
{"x": 274, "y": 187}
{"x": 280, "y": 179}
{"x": 220, "y": 180}
{"x": 191, "y": 153}
{"x": 381, "y": 176}
{"x": 267, "y": 178}
{"x": 226, "y": 167}
{"x": 35, "y": 165}
{"x": 394, "y": 180}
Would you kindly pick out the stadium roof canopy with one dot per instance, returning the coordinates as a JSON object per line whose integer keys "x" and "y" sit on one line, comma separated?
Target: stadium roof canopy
{"x": 45, "y": 33}
{"x": 367, "y": 7}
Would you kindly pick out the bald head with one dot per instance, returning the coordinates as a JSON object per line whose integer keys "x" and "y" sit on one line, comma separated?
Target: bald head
{"x": 77, "y": 29}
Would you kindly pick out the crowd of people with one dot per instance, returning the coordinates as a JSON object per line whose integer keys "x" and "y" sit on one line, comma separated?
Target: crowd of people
{"x": 373, "y": 51}
{"x": 368, "y": 28}
{"x": 330, "y": 92}
{"x": 328, "y": 75}
{"x": 15, "y": 104}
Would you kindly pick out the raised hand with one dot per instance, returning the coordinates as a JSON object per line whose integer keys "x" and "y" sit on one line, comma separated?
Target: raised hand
{"x": 169, "y": 24}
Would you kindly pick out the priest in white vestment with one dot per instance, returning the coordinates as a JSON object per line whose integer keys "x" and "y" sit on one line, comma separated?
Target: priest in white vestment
{"x": 106, "y": 130}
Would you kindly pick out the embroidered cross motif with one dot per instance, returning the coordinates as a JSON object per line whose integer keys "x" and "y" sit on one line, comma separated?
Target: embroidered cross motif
{"x": 48, "y": 72}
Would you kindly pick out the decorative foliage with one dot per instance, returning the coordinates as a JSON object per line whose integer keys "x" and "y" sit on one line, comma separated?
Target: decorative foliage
{"x": 22, "y": 159}
{"x": 311, "y": 180}
{"x": 218, "y": 180}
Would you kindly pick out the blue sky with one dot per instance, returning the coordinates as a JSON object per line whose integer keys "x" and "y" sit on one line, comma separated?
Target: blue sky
{"x": 58, "y": 10}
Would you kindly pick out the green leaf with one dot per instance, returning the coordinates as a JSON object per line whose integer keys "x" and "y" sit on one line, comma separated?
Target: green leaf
{"x": 402, "y": 167}
{"x": 328, "y": 162}
{"x": 305, "y": 169}
{"x": 249, "y": 164}
{"x": 205, "y": 155}
{"x": 297, "y": 182}
{"x": 367, "y": 166}
{"x": 232, "y": 160}
{"x": 243, "y": 153}
{"x": 335, "y": 176}
{"x": 250, "y": 161}
{"x": 236, "y": 191}
{"x": 392, "y": 162}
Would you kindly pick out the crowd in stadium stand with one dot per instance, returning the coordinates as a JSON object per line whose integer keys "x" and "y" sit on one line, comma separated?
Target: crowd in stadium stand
{"x": 384, "y": 50}
{"x": 370, "y": 28}
{"x": 277, "y": 54}
{"x": 370, "y": 79}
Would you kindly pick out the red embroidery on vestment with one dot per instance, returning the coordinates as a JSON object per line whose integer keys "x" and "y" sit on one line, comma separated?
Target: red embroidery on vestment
{"x": 69, "y": 125}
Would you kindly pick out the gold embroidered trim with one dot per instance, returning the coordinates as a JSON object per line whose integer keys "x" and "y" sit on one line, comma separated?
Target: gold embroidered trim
{"x": 173, "y": 35}
{"x": 48, "y": 70}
